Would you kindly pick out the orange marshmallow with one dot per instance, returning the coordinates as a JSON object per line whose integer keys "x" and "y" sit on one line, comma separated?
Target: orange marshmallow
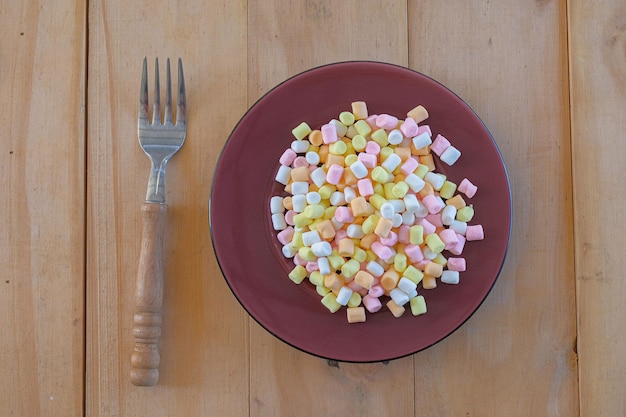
{"x": 333, "y": 281}
{"x": 323, "y": 152}
{"x": 359, "y": 206}
{"x": 367, "y": 240}
{"x": 427, "y": 190}
{"x": 433, "y": 269}
{"x": 383, "y": 227}
{"x": 288, "y": 202}
{"x": 359, "y": 110}
{"x": 404, "y": 152}
{"x": 428, "y": 160}
{"x": 395, "y": 309}
{"x": 364, "y": 279}
{"x": 390, "y": 279}
{"x": 300, "y": 174}
{"x": 456, "y": 201}
{"x": 315, "y": 137}
{"x": 325, "y": 229}
{"x": 355, "y": 314}
{"x": 429, "y": 282}
{"x": 345, "y": 247}
{"x": 418, "y": 113}
{"x": 332, "y": 159}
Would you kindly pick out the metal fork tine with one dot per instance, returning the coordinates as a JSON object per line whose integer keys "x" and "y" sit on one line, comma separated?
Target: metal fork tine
{"x": 143, "y": 92}
{"x": 168, "y": 95}
{"x": 181, "y": 106}
{"x": 156, "y": 107}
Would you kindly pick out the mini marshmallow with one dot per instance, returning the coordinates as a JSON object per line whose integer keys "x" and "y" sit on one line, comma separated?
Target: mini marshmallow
{"x": 318, "y": 176}
{"x": 278, "y": 221}
{"x": 439, "y": 145}
{"x": 474, "y": 232}
{"x": 409, "y": 127}
{"x": 365, "y": 187}
{"x": 289, "y": 251}
{"x": 414, "y": 253}
{"x": 323, "y": 265}
{"x": 422, "y": 140}
{"x": 459, "y": 227}
{"x": 450, "y": 277}
{"x": 313, "y": 197}
{"x": 433, "y": 204}
{"x": 344, "y": 295}
{"x": 456, "y": 264}
{"x": 408, "y": 218}
{"x": 415, "y": 183}
{"x": 386, "y": 121}
{"x": 340, "y": 128}
{"x": 382, "y": 251}
{"x": 349, "y": 194}
{"x": 300, "y": 146}
{"x": 396, "y": 220}
{"x": 329, "y": 133}
{"x": 450, "y": 155}
{"x": 276, "y": 205}
{"x": 418, "y": 305}
{"x": 313, "y": 158}
{"x": 299, "y": 203}
{"x": 434, "y": 179}
{"x": 448, "y": 215}
{"x": 287, "y": 157}
{"x": 322, "y": 248}
{"x": 334, "y": 174}
{"x": 299, "y": 187}
{"x": 395, "y": 309}
{"x": 344, "y": 214}
{"x": 407, "y": 285}
{"x": 372, "y": 148}
{"x": 466, "y": 187}
{"x": 359, "y": 169}
{"x": 359, "y": 110}
{"x": 372, "y": 304}
{"x": 395, "y": 137}
{"x": 418, "y": 113}
{"x": 355, "y": 314}
{"x": 355, "y": 231}
{"x": 449, "y": 238}
{"x": 386, "y": 210}
{"x": 368, "y": 159}
{"x": 285, "y": 236}
{"x": 399, "y": 296}
{"x": 337, "y": 198}
{"x": 374, "y": 268}
{"x": 409, "y": 166}
{"x": 392, "y": 162}
{"x": 283, "y": 175}
{"x": 311, "y": 237}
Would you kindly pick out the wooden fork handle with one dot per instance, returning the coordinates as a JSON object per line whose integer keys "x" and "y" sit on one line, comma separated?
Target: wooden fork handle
{"x": 148, "y": 298}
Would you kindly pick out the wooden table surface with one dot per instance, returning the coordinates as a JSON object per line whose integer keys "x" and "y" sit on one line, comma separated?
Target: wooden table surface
{"x": 547, "y": 77}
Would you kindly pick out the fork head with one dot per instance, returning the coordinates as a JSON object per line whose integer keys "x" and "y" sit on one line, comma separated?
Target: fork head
{"x": 161, "y": 139}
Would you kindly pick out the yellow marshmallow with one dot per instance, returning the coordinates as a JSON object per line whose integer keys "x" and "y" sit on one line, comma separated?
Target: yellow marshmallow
{"x": 298, "y": 274}
{"x": 418, "y": 305}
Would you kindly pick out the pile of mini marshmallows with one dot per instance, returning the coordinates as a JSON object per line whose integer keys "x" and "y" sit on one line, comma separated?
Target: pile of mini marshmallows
{"x": 366, "y": 217}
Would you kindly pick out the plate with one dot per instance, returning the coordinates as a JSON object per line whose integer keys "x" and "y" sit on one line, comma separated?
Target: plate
{"x": 250, "y": 256}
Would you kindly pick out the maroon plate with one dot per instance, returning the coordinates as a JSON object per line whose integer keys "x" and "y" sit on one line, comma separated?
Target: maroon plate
{"x": 250, "y": 256}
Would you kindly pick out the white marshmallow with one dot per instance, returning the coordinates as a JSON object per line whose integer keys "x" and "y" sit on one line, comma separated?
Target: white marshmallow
{"x": 399, "y": 296}
{"x": 311, "y": 237}
{"x": 448, "y": 214}
{"x": 358, "y": 169}
{"x": 337, "y": 198}
{"x": 398, "y": 205}
{"x": 339, "y": 127}
{"x": 299, "y": 187}
{"x": 386, "y": 210}
{"x": 313, "y": 158}
{"x": 299, "y": 203}
{"x": 323, "y": 265}
{"x": 450, "y": 277}
{"x": 318, "y": 177}
{"x": 414, "y": 182}
{"x": 396, "y": 220}
{"x": 434, "y": 179}
{"x": 422, "y": 140}
{"x": 322, "y": 248}
{"x": 283, "y": 175}
{"x": 278, "y": 221}
{"x": 355, "y": 231}
{"x": 450, "y": 155}
{"x": 459, "y": 227}
{"x": 349, "y": 194}
{"x": 276, "y": 205}
{"x": 392, "y": 162}
{"x": 406, "y": 285}
{"x": 408, "y": 218}
{"x": 343, "y": 296}
{"x": 411, "y": 203}
{"x": 395, "y": 137}
{"x": 300, "y": 146}
{"x": 313, "y": 197}
{"x": 375, "y": 268}
{"x": 289, "y": 251}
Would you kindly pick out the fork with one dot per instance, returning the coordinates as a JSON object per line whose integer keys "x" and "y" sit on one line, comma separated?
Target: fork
{"x": 159, "y": 141}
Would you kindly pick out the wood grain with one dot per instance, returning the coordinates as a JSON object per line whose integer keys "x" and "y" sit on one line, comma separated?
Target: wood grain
{"x": 517, "y": 355}
{"x": 598, "y": 96}
{"x": 204, "y": 342}
{"x": 42, "y": 165}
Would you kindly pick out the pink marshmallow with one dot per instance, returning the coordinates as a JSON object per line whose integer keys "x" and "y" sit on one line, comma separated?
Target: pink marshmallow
{"x": 466, "y": 187}
{"x": 372, "y": 148}
{"x": 449, "y": 238}
{"x": 298, "y": 260}
{"x": 340, "y": 234}
{"x": 368, "y": 159}
{"x": 365, "y": 187}
{"x": 289, "y": 215}
{"x": 403, "y": 234}
{"x": 300, "y": 161}
{"x": 311, "y": 266}
{"x": 409, "y": 127}
{"x": 474, "y": 232}
{"x": 329, "y": 133}
{"x": 456, "y": 264}
{"x": 334, "y": 174}
{"x": 287, "y": 157}
{"x": 424, "y": 128}
{"x": 390, "y": 240}
{"x": 343, "y": 214}
{"x": 409, "y": 166}
{"x": 387, "y": 121}
{"x": 382, "y": 251}
{"x": 439, "y": 145}
{"x": 432, "y": 203}
{"x": 371, "y": 121}
{"x": 428, "y": 226}
{"x": 414, "y": 253}
{"x": 285, "y": 235}
{"x": 458, "y": 248}
{"x": 435, "y": 219}
{"x": 376, "y": 291}
{"x": 372, "y": 304}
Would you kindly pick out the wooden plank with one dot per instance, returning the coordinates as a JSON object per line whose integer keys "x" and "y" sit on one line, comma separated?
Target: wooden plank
{"x": 42, "y": 163}
{"x": 517, "y": 355}
{"x": 598, "y": 94}
{"x": 204, "y": 344}
{"x": 285, "y": 38}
